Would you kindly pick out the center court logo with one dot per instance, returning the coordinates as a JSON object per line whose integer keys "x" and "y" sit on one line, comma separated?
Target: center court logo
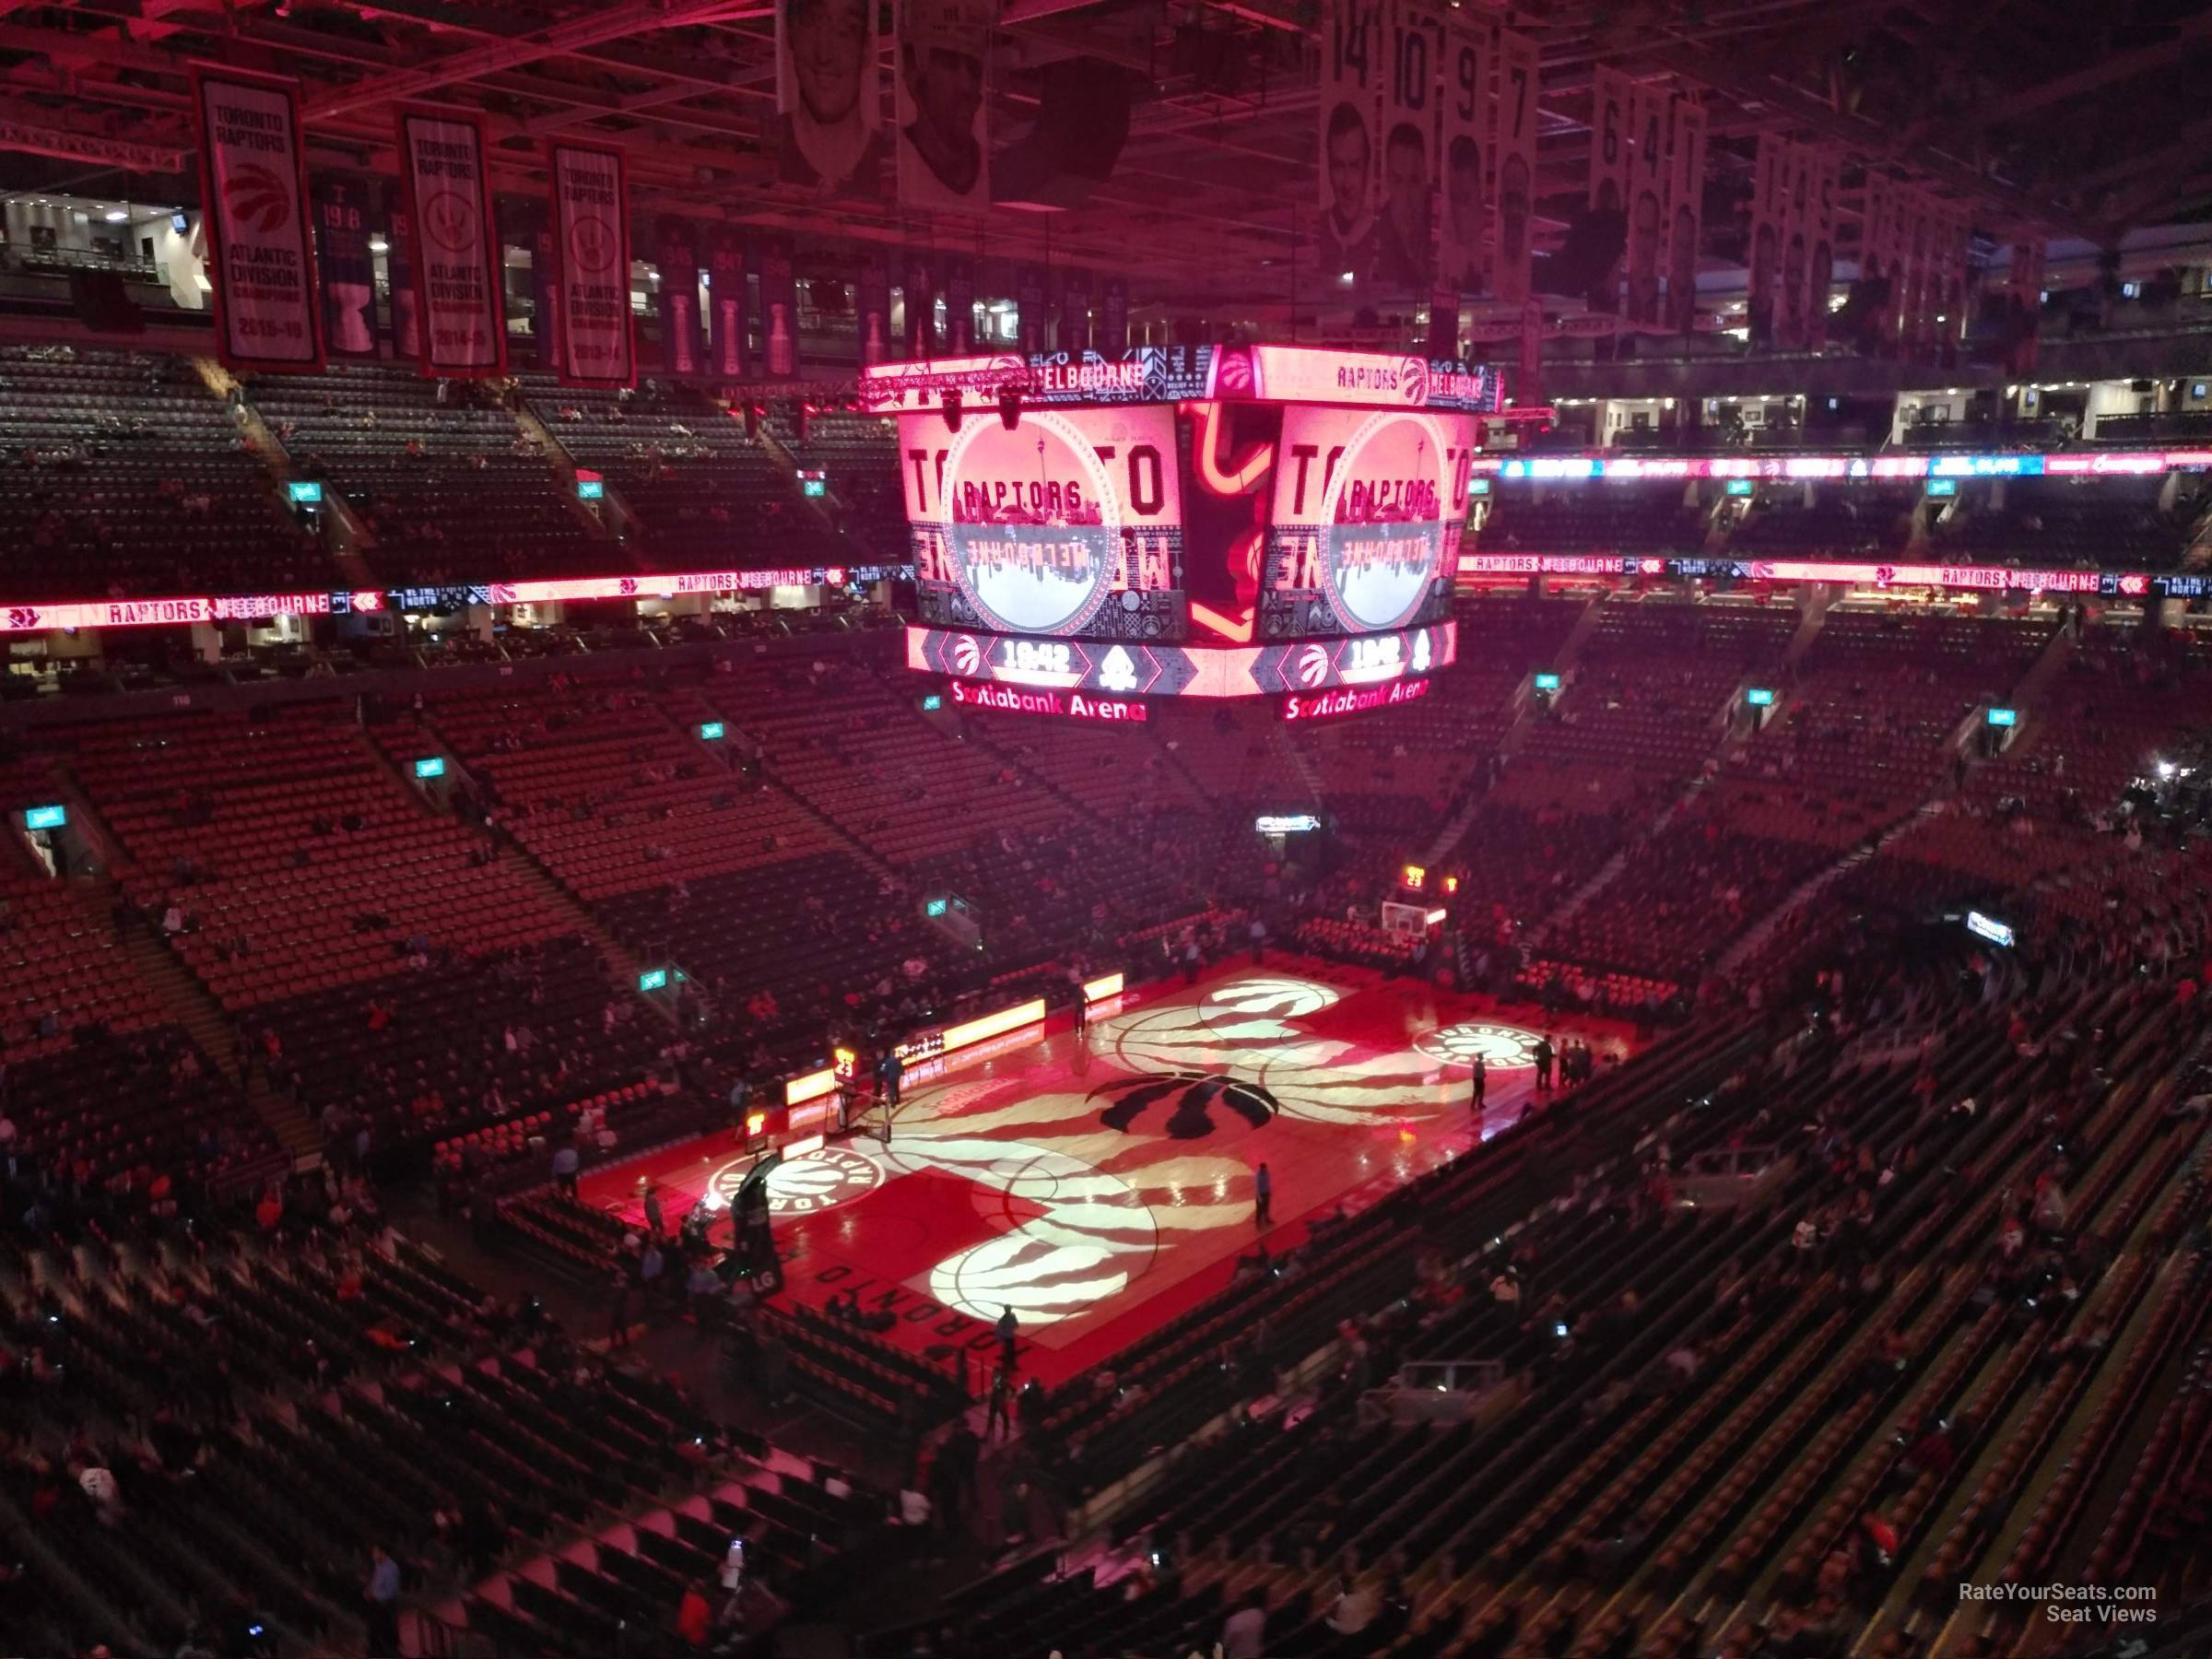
{"x": 1505, "y": 1047}
{"x": 822, "y": 1179}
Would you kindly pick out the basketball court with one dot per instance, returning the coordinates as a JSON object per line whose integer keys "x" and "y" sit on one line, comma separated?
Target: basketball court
{"x": 1101, "y": 1182}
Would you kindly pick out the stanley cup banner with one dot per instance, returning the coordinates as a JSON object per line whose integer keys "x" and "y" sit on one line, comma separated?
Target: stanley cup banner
{"x": 919, "y": 283}
{"x": 828, "y": 96}
{"x": 675, "y": 252}
{"x": 959, "y": 305}
{"x": 1464, "y": 157}
{"x": 1114, "y": 318}
{"x": 1352, "y": 147}
{"x": 1029, "y": 305}
{"x": 727, "y": 301}
{"x": 944, "y": 105}
{"x": 1072, "y": 332}
{"x": 253, "y": 182}
{"x": 872, "y": 310}
{"x": 462, "y": 323}
{"x": 1685, "y": 214}
{"x": 1645, "y": 203}
{"x": 778, "y": 308}
{"x": 591, "y": 212}
{"x": 348, "y": 270}
{"x": 399, "y": 270}
{"x": 1520, "y": 63}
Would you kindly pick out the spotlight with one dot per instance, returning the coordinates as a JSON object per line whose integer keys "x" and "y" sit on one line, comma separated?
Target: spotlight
{"x": 1009, "y": 408}
{"x": 952, "y": 410}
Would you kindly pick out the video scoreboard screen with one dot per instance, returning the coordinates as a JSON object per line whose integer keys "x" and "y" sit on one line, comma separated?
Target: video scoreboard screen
{"x": 1205, "y": 498}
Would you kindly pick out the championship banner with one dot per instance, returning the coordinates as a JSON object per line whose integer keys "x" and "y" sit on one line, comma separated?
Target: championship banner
{"x": 1685, "y": 214}
{"x": 462, "y": 323}
{"x": 675, "y": 252}
{"x": 1820, "y": 239}
{"x": 944, "y": 105}
{"x": 778, "y": 308}
{"x": 828, "y": 96}
{"x": 1646, "y": 203}
{"x": 1796, "y": 215}
{"x": 921, "y": 291}
{"x": 872, "y": 310}
{"x": 590, "y": 213}
{"x": 348, "y": 270}
{"x": 1520, "y": 64}
{"x": 725, "y": 300}
{"x": 1768, "y": 176}
{"x": 2023, "y": 307}
{"x": 399, "y": 273}
{"x": 1029, "y": 307}
{"x": 1113, "y": 317}
{"x": 1405, "y": 233}
{"x": 1467, "y": 110}
{"x": 959, "y": 305}
{"x": 1071, "y": 330}
{"x": 253, "y": 182}
{"x": 1351, "y": 101}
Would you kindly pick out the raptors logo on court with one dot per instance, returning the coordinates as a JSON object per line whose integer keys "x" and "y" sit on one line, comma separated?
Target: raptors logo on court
{"x": 822, "y": 1180}
{"x": 1501, "y": 1047}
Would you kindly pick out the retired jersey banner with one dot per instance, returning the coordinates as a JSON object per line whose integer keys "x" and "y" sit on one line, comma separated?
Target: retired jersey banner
{"x": 253, "y": 182}
{"x": 590, "y": 213}
{"x": 872, "y": 310}
{"x": 1520, "y": 62}
{"x": 1071, "y": 329}
{"x": 2023, "y": 307}
{"x": 778, "y": 308}
{"x": 545, "y": 288}
{"x": 463, "y": 322}
{"x": 1770, "y": 196}
{"x": 726, "y": 301}
{"x": 347, "y": 268}
{"x": 1685, "y": 214}
{"x": 1795, "y": 244}
{"x": 828, "y": 96}
{"x": 1645, "y": 204}
{"x": 944, "y": 104}
{"x": 675, "y": 255}
{"x": 1461, "y": 255}
{"x": 1820, "y": 242}
{"x": 1351, "y": 147}
{"x": 399, "y": 272}
{"x": 1413, "y": 36}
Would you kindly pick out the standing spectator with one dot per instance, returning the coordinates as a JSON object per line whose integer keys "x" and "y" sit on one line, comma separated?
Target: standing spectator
{"x": 567, "y": 1160}
{"x": 655, "y": 1227}
{"x": 618, "y": 1313}
{"x": 999, "y": 1413}
{"x": 1258, "y": 932}
{"x": 1262, "y": 1198}
{"x": 1009, "y": 1328}
{"x": 382, "y": 1596}
{"x": 1543, "y": 1052}
{"x": 1478, "y": 1085}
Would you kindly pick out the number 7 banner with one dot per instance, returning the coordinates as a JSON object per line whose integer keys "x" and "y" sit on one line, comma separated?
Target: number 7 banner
{"x": 1520, "y": 59}
{"x": 253, "y": 182}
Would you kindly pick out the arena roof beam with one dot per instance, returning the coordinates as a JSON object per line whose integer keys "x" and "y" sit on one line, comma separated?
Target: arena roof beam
{"x": 2105, "y": 72}
{"x": 592, "y": 28}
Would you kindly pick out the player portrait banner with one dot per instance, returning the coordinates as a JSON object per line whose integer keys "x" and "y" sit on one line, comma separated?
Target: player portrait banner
{"x": 959, "y": 305}
{"x": 253, "y": 182}
{"x": 591, "y": 215}
{"x": 1685, "y": 214}
{"x": 462, "y": 323}
{"x": 778, "y": 308}
{"x": 1071, "y": 330}
{"x": 828, "y": 96}
{"x": 1645, "y": 203}
{"x": 944, "y": 105}
{"x": 399, "y": 272}
{"x": 1609, "y": 91}
{"x": 1465, "y": 109}
{"x": 347, "y": 268}
{"x": 1820, "y": 242}
{"x": 872, "y": 310}
{"x": 1520, "y": 63}
{"x": 675, "y": 252}
{"x": 2024, "y": 306}
{"x": 1413, "y": 34}
{"x": 727, "y": 301}
{"x": 1795, "y": 245}
{"x": 1351, "y": 105}
{"x": 1113, "y": 317}
{"x": 1769, "y": 175}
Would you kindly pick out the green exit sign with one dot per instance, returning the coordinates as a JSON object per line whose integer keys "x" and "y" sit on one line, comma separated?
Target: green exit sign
{"x": 653, "y": 979}
{"x": 590, "y": 489}
{"x": 936, "y": 907}
{"x": 433, "y": 767}
{"x": 303, "y": 494}
{"x": 814, "y": 489}
{"x": 45, "y": 817}
{"x": 932, "y": 703}
{"x": 1759, "y": 696}
{"x": 709, "y": 731}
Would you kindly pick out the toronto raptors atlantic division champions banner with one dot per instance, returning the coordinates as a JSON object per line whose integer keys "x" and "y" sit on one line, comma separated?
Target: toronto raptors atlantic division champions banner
{"x": 590, "y": 213}
{"x": 253, "y": 183}
{"x": 462, "y": 323}
{"x": 1068, "y": 522}
{"x": 1369, "y": 510}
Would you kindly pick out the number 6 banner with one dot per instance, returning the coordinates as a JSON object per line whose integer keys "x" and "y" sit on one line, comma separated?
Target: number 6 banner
{"x": 253, "y": 183}
{"x": 591, "y": 220}
{"x": 461, "y": 324}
